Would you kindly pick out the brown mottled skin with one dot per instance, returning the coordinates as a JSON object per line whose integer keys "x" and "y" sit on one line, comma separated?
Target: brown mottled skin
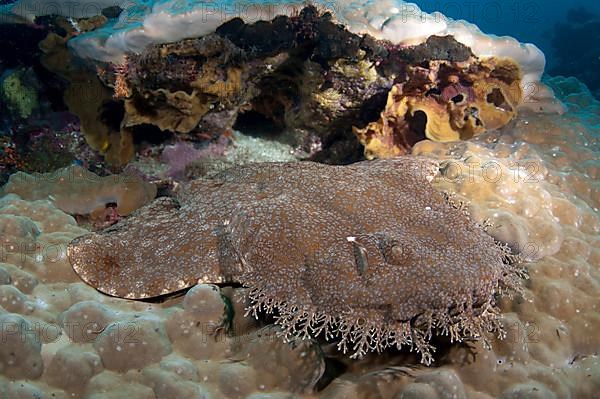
{"x": 370, "y": 251}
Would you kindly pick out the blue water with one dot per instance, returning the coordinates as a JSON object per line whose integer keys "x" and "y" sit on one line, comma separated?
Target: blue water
{"x": 568, "y": 32}
{"x": 527, "y": 20}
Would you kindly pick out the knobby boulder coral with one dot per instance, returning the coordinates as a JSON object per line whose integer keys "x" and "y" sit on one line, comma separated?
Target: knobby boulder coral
{"x": 77, "y": 191}
{"x": 368, "y": 253}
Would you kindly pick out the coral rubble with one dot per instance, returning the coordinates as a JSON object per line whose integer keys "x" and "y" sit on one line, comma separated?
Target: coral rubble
{"x": 186, "y": 162}
{"x": 294, "y": 235}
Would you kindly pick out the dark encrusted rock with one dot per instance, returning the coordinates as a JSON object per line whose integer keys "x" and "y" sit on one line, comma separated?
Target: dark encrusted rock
{"x": 311, "y": 32}
{"x": 112, "y": 12}
{"x": 441, "y": 48}
{"x": 262, "y": 39}
{"x": 303, "y": 76}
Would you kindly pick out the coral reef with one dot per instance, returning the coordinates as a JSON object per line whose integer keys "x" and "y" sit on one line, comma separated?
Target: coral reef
{"x": 396, "y": 21}
{"x": 46, "y": 141}
{"x": 547, "y": 193}
{"x": 49, "y": 145}
{"x": 166, "y": 21}
{"x": 10, "y": 161}
{"x": 288, "y": 74}
{"x": 406, "y": 24}
{"x": 35, "y": 119}
{"x": 202, "y": 92}
{"x": 128, "y": 192}
{"x": 291, "y": 245}
{"x": 293, "y": 234}
{"x": 537, "y": 183}
{"x": 444, "y": 102}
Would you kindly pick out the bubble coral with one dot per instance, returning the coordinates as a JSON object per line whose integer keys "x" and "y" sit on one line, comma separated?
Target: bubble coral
{"x": 370, "y": 252}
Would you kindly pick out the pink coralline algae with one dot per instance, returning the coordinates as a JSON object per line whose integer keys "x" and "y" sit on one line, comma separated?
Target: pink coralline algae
{"x": 369, "y": 254}
{"x": 179, "y": 155}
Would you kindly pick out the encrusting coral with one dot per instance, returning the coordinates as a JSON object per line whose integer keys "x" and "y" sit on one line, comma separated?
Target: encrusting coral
{"x": 85, "y": 95}
{"x": 368, "y": 252}
{"x": 189, "y": 79}
{"x": 444, "y": 101}
{"x": 21, "y": 98}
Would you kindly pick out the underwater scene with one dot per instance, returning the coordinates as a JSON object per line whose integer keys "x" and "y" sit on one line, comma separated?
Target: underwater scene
{"x": 278, "y": 199}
